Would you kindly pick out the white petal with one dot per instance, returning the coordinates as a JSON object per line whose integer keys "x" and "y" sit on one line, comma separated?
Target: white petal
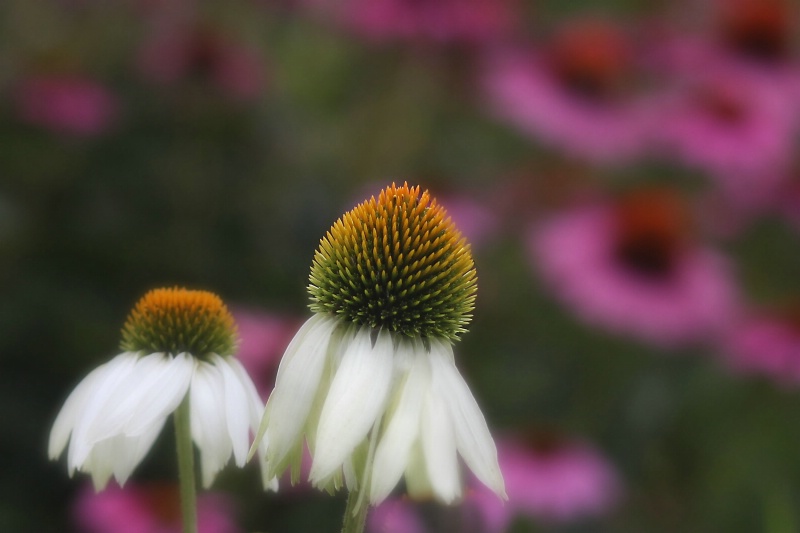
{"x": 439, "y": 448}
{"x": 236, "y": 410}
{"x": 119, "y": 456}
{"x": 296, "y": 385}
{"x": 350, "y": 476}
{"x": 472, "y": 435}
{"x": 392, "y": 454}
{"x": 115, "y": 377}
{"x": 123, "y": 402}
{"x": 254, "y": 401}
{"x": 99, "y": 464}
{"x": 356, "y": 398}
{"x": 256, "y": 412}
{"x": 341, "y": 340}
{"x": 133, "y": 450}
{"x": 207, "y": 420}
{"x": 161, "y": 394}
{"x": 417, "y": 482}
{"x": 73, "y": 408}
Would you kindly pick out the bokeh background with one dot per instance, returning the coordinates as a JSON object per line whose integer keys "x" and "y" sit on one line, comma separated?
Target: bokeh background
{"x": 626, "y": 172}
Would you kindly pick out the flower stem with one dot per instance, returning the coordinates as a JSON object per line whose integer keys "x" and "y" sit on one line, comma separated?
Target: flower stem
{"x": 355, "y": 514}
{"x": 183, "y": 443}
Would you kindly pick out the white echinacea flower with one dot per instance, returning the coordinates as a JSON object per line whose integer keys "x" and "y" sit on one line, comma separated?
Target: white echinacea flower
{"x": 177, "y": 352}
{"x": 369, "y": 382}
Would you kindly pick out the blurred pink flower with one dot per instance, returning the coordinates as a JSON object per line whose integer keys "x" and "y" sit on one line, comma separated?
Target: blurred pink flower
{"x": 548, "y": 481}
{"x": 766, "y": 345}
{"x": 178, "y": 54}
{"x": 263, "y": 337}
{"x": 738, "y": 130}
{"x": 395, "y": 515}
{"x": 576, "y": 95}
{"x": 631, "y": 268}
{"x": 742, "y": 38}
{"x": 751, "y": 39}
{"x": 148, "y": 508}
{"x": 65, "y": 104}
{"x": 435, "y": 20}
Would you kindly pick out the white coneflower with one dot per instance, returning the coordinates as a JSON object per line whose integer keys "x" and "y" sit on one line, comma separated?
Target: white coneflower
{"x": 177, "y": 357}
{"x": 369, "y": 382}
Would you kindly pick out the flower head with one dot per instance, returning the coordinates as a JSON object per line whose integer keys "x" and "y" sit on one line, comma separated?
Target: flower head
{"x": 734, "y": 127}
{"x": 555, "y": 480}
{"x": 370, "y": 381}
{"x": 632, "y": 267}
{"x": 176, "y": 343}
{"x": 578, "y": 95}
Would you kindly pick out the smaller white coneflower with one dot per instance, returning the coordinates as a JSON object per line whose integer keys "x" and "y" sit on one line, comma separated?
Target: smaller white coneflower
{"x": 369, "y": 382}
{"x": 177, "y": 357}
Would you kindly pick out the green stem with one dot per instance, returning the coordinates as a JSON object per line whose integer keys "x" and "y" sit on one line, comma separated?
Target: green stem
{"x": 355, "y": 514}
{"x": 183, "y": 443}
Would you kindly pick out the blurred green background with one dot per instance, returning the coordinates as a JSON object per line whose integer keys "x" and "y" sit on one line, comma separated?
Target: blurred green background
{"x": 189, "y": 185}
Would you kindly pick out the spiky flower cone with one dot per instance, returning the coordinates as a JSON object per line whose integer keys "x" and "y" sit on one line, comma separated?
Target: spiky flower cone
{"x": 370, "y": 381}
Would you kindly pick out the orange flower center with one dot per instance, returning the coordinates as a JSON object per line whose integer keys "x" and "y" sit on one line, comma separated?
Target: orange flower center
{"x": 651, "y": 228}
{"x": 179, "y": 320}
{"x": 591, "y": 59}
{"x": 397, "y": 262}
{"x": 760, "y": 29}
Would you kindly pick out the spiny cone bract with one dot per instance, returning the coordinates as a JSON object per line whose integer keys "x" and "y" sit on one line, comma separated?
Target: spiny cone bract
{"x": 398, "y": 263}
{"x": 176, "y": 320}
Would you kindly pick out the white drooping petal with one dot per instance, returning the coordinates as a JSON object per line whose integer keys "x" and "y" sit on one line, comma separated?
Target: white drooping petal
{"x": 123, "y": 402}
{"x": 350, "y": 476}
{"x": 118, "y": 455}
{"x": 207, "y": 419}
{"x": 154, "y": 389}
{"x": 296, "y": 385}
{"x": 254, "y": 403}
{"x": 133, "y": 449}
{"x": 473, "y": 439}
{"x": 237, "y": 409}
{"x": 256, "y": 410}
{"x": 115, "y": 377}
{"x": 99, "y": 463}
{"x": 159, "y": 393}
{"x": 341, "y": 341}
{"x": 439, "y": 448}
{"x": 394, "y": 448}
{"x": 417, "y": 482}
{"x": 356, "y": 398}
{"x": 73, "y": 408}
{"x": 95, "y": 417}
{"x": 366, "y": 466}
